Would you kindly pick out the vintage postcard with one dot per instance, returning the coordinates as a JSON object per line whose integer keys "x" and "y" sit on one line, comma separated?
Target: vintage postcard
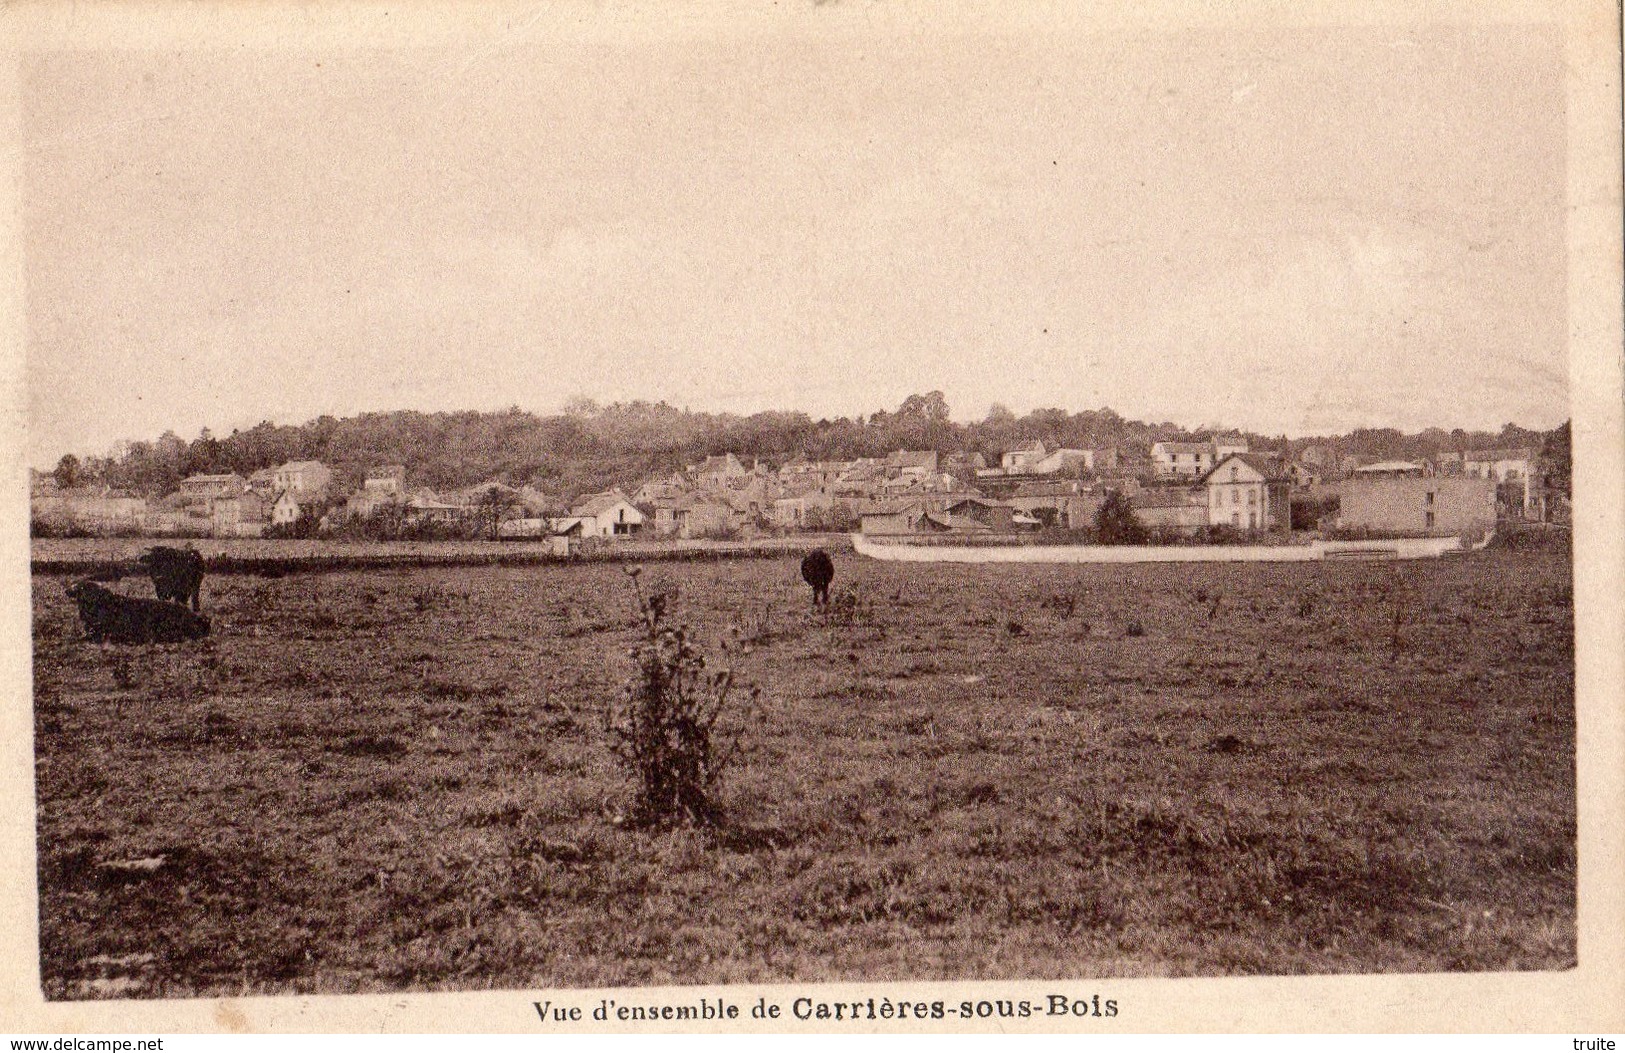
{"x": 840, "y": 516}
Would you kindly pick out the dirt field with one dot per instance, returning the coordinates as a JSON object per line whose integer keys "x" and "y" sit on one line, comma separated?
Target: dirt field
{"x": 386, "y": 780}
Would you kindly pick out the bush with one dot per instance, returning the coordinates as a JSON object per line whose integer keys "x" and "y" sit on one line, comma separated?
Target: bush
{"x": 719, "y": 532}
{"x": 665, "y": 729}
{"x": 1116, "y": 523}
{"x": 306, "y": 526}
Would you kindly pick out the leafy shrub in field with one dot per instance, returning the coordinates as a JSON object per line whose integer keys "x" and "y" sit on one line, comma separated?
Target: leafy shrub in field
{"x": 1064, "y": 604}
{"x": 666, "y": 729}
{"x": 846, "y": 607}
{"x": 1117, "y": 524}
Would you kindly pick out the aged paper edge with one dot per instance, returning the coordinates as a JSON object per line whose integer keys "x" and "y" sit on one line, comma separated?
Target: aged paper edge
{"x": 1590, "y": 997}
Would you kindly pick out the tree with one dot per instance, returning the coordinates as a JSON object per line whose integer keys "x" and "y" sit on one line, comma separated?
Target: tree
{"x": 66, "y": 473}
{"x": 929, "y": 408}
{"x": 1558, "y": 453}
{"x": 1116, "y": 523}
{"x": 492, "y": 507}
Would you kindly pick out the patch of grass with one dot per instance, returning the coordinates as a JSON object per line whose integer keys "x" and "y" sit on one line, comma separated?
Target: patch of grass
{"x": 1243, "y": 789}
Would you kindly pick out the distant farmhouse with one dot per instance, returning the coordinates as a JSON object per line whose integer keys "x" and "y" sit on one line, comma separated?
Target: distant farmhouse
{"x": 605, "y": 515}
{"x": 1404, "y": 504}
{"x": 1248, "y": 492}
{"x": 1194, "y": 459}
{"x": 303, "y": 476}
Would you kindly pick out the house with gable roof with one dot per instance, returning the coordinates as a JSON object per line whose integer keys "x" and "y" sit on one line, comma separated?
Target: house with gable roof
{"x": 1248, "y": 491}
{"x": 606, "y": 515}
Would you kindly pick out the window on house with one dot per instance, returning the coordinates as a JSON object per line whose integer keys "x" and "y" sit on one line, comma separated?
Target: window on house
{"x": 1430, "y": 498}
{"x": 1235, "y": 497}
{"x": 1235, "y": 518}
{"x": 1430, "y": 517}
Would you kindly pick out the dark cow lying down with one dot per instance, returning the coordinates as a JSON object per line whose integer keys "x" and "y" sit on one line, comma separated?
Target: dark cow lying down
{"x": 177, "y": 573}
{"x": 107, "y": 615}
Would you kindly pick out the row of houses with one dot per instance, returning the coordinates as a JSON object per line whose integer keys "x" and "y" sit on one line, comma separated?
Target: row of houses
{"x": 228, "y": 504}
{"x": 1181, "y": 486}
{"x": 1244, "y": 491}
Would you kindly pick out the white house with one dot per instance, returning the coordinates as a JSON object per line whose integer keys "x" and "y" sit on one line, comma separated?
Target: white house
{"x": 1024, "y": 460}
{"x": 1059, "y": 461}
{"x": 286, "y": 509}
{"x": 1248, "y": 492}
{"x": 1036, "y": 459}
{"x": 302, "y": 475}
{"x": 1194, "y": 459}
{"x": 1520, "y": 467}
{"x": 1182, "y": 458}
{"x": 609, "y": 514}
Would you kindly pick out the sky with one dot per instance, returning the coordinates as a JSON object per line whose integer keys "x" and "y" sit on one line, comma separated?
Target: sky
{"x": 1290, "y": 232}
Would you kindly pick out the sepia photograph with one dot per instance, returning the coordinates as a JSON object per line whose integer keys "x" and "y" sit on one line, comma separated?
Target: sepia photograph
{"x": 670, "y": 499}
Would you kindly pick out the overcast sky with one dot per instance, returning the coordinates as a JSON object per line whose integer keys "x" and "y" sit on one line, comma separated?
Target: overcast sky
{"x": 1285, "y": 232}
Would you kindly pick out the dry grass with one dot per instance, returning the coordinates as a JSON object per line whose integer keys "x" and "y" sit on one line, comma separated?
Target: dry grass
{"x": 372, "y": 781}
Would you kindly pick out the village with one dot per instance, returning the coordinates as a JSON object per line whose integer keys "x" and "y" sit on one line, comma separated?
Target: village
{"x": 1215, "y": 489}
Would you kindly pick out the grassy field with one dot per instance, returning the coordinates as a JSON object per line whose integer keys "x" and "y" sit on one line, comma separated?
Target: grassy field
{"x": 385, "y": 780}
{"x": 74, "y": 555}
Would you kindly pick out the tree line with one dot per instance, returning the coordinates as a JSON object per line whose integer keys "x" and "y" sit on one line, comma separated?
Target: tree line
{"x": 589, "y": 447}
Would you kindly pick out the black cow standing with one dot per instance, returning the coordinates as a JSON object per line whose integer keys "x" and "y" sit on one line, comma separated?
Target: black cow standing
{"x": 177, "y": 574}
{"x": 818, "y": 571}
{"x": 128, "y": 619}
